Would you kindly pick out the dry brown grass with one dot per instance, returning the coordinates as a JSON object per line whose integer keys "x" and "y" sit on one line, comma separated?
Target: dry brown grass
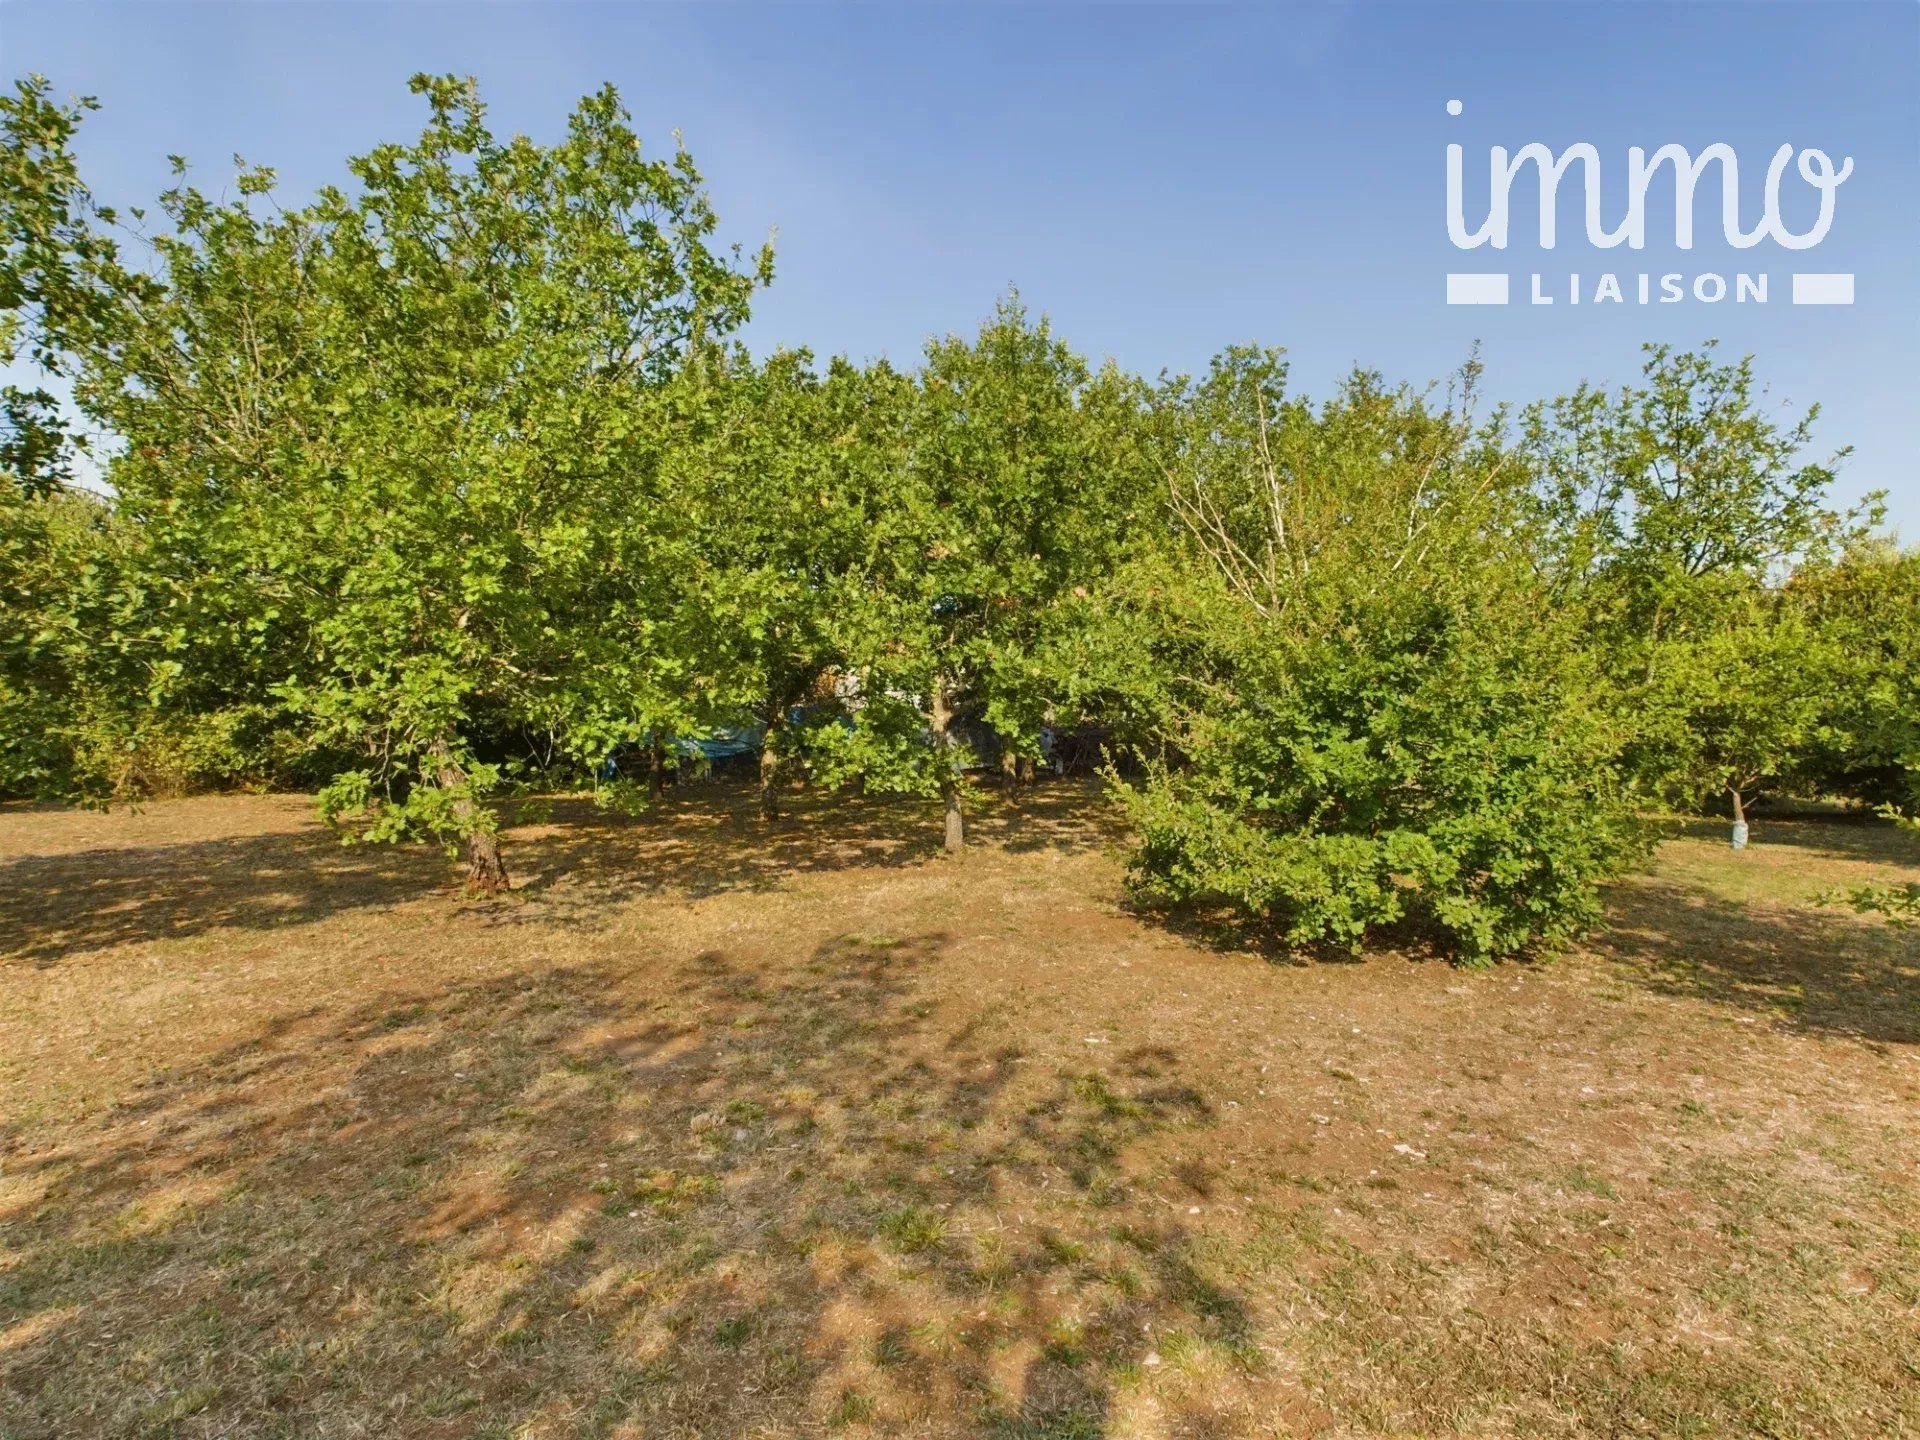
{"x": 716, "y": 1130}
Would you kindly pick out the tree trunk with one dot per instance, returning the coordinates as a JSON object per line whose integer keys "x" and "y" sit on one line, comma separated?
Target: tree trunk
{"x": 1739, "y": 818}
{"x": 770, "y": 771}
{"x": 656, "y": 769}
{"x": 943, "y": 740}
{"x": 486, "y": 871}
{"x": 956, "y": 840}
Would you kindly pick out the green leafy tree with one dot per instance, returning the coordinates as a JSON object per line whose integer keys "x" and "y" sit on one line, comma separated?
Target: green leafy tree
{"x": 788, "y": 471}
{"x": 1730, "y": 711}
{"x": 36, "y": 447}
{"x": 59, "y": 636}
{"x": 56, "y": 569}
{"x": 1669, "y": 493}
{"x": 1369, "y": 716}
{"x": 505, "y": 312}
{"x": 1022, "y": 481}
{"x": 1865, "y": 609}
{"x": 1666, "y": 510}
{"x": 396, "y": 453}
{"x": 60, "y": 274}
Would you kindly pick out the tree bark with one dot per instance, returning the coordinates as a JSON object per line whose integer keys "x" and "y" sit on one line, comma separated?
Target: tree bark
{"x": 1739, "y": 836}
{"x": 956, "y": 838}
{"x": 943, "y": 739}
{"x": 486, "y": 871}
{"x": 656, "y": 769}
{"x": 770, "y": 771}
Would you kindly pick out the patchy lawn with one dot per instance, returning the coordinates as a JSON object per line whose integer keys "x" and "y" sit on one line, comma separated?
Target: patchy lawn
{"x": 718, "y": 1130}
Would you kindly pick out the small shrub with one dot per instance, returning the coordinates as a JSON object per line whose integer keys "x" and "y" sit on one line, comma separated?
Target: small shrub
{"x": 1427, "y": 761}
{"x": 911, "y": 1229}
{"x": 852, "y": 1408}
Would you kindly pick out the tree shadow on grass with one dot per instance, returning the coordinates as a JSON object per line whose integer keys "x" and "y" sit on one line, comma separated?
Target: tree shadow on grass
{"x": 711, "y": 840}
{"x": 753, "y": 1196}
{"x": 567, "y": 867}
{"x": 52, "y": 906}
{"x": 1833, "y": 834}
{"x": 1824, "y": 973}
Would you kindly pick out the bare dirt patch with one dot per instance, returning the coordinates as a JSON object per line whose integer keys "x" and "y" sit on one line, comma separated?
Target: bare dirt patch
{"x": 719, "y": 1129}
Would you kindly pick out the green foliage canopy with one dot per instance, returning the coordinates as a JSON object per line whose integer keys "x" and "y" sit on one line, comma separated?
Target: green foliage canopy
{"x": 458, "y": 478}
{"x": 1370, "y": 719}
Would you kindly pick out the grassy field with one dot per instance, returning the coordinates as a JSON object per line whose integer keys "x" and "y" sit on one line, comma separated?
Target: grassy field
{"x": 714, "y": 1129}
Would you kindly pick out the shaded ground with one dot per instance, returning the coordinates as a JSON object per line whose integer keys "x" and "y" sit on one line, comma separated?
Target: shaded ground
{"x": 718, "y": 1130}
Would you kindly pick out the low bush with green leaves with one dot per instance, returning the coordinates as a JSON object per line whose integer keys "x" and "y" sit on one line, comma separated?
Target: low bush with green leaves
{"x": 1368, "y": 714}
{"x": 1416, "y": 763}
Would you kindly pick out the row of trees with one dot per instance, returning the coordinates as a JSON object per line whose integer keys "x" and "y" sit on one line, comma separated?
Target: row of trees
{"x": 453, "y": 481}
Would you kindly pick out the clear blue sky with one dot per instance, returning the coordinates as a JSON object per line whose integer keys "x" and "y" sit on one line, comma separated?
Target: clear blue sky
{"x": 1161, "y": 180}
